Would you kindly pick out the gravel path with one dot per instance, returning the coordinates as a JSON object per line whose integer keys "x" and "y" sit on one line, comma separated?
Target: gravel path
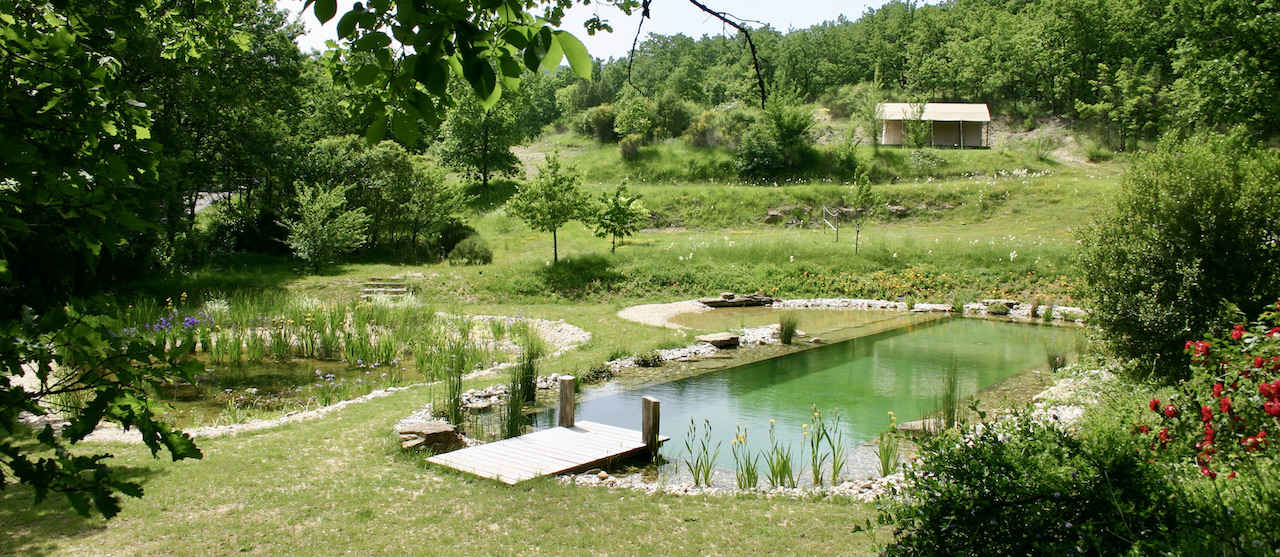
{"x": 659, "y": 315}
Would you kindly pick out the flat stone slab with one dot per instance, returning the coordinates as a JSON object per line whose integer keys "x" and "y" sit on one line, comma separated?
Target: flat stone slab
{"x": 720, "y": 340}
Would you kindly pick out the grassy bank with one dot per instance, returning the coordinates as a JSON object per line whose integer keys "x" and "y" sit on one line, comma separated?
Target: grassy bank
{"x": 340, "y": 485}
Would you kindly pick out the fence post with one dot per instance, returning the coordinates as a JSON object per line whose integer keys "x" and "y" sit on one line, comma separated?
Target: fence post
{"x": 566, "y": 401}
{"x": 649, "y": 423}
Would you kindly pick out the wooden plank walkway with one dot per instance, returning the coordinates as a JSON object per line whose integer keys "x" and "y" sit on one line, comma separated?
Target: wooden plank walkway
{"x": 550, "y": 451}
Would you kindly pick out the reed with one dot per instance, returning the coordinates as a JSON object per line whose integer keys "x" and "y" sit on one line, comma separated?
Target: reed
{"x": 787, "y": 327}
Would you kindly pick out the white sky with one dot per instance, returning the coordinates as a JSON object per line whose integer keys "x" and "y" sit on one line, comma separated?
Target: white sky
{"x": 668, "y": 17}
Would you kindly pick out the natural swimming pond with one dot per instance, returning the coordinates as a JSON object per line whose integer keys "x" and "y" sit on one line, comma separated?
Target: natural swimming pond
{"x": 900, "y": 370}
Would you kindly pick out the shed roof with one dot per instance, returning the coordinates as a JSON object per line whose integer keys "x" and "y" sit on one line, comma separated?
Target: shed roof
{"x": 937, "y": 112}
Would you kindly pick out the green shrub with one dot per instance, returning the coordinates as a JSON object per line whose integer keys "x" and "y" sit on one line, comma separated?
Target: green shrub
{"x": 1191, "y": 233}
{"x": 1021, "y": 487}
{"x": 759, "y": 154}
{"x": 998, "y": 308}
{"x": 1097, "y": 152}
{"x": 472, "y": 250}
{"x": 649, "y": 359}
{"x": 629, "y": 147}
{"x": 596, "y": 374}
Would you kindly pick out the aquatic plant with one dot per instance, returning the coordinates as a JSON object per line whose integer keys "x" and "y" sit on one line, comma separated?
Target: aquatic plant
{"x": 815, "y": 433}
{"x": 746, "y": 463}
{"x": 702, "y": 457}
{"x": 787, "y": 324}
{"x": 779, "y": 461}
{"x": 887, "y": 447}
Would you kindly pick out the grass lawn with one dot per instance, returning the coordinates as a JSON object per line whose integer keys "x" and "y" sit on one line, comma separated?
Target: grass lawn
{"x": 339, "y": 485}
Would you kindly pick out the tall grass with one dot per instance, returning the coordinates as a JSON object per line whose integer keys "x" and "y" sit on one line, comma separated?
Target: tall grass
{"x": 1055, "y": 356}
{"x": 787, "y": 327}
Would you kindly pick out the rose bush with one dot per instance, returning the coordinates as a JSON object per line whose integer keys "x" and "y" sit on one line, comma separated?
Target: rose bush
{"x": 1228, "y": 411}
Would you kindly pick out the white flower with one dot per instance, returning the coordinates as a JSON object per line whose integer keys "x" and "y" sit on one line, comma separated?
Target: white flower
{"x": 1013, "y": 254}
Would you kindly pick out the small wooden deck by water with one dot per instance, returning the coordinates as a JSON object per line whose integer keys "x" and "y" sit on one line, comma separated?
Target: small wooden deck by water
{"x": 558, "y": 450}
{"x": 572, "y": 447}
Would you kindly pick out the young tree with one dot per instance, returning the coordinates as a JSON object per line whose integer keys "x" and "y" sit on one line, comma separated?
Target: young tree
{"x": 619, "y": 215}
{"x": 915, "y": 129}
{"x": 864, "y": 202}
{"x": 552, "y": 199}
{"x": 324, "y": 229}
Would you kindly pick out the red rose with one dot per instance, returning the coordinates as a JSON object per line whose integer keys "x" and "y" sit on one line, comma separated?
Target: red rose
{"x": 1225, "y": 404}
{"x": 1202, "y": 346}
{"x": 1170, "y": 411}
{"x": 1144, "y": 429}
{"x": 1164, "y": 433}
{"x": 1257, "y": 361}
{"x": 1189, "y": 345}
{"x": 1237, "y": 332}
{"x": 1154, "y": 405}
{"x": 1206, "y": 471}
{"x": 1206, "y": 413}
{"x": 1217, "y": 390}
{"x": 1272, "y": 408}
{"x": 1273, "y": 332}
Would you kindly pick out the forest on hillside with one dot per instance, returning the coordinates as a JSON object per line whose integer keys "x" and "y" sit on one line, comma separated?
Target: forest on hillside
{"x": 244, "y": 115}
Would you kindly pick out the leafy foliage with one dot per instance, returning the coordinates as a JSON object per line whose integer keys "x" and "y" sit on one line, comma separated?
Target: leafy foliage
{"x": 1017, "y": 486}
{"x": 472, "y": 250}
{"x": 619, "y": 215}
{"x": 324, "y": 229}
{"x": 552, "y": 199}
{"x": 488, "y": 45}
{"x": 79, "y": 170}
{"x": 1198, "y": 218}
{"x": 479, "y": 140}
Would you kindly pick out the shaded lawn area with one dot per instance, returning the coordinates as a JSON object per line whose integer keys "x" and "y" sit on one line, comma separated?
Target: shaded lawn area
{"x": 339, "y": 484}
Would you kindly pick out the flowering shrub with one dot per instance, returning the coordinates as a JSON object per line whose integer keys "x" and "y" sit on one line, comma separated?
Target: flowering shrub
{"x": 1227, "y": 413}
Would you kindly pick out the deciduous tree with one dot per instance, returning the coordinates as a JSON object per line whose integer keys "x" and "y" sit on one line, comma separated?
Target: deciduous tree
{"x": 553, "y": 198}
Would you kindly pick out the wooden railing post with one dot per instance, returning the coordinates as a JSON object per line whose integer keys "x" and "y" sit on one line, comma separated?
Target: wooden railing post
{"x": 566, "y": 400}
{"x": 649, "y": 423}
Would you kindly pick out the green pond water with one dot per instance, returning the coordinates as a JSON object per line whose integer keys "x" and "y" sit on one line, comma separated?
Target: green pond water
{"x": 901, "y": 370}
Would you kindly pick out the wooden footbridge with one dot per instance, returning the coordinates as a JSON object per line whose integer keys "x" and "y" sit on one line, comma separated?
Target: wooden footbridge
{"x": 571, "y": 447}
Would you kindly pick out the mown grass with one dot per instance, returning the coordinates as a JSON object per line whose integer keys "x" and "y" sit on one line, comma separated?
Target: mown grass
{"x": 340, "y": 485}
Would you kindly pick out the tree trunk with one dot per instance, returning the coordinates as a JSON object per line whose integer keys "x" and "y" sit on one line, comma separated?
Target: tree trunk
{"x": 555, "y": 249}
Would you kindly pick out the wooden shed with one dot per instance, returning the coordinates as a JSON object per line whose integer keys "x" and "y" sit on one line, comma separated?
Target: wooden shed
{"x": 956, "y": 125}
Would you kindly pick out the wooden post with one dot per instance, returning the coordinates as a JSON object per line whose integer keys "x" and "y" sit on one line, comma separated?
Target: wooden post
{"x": 649, "y": 423}
{"x": 566, "y": 401}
